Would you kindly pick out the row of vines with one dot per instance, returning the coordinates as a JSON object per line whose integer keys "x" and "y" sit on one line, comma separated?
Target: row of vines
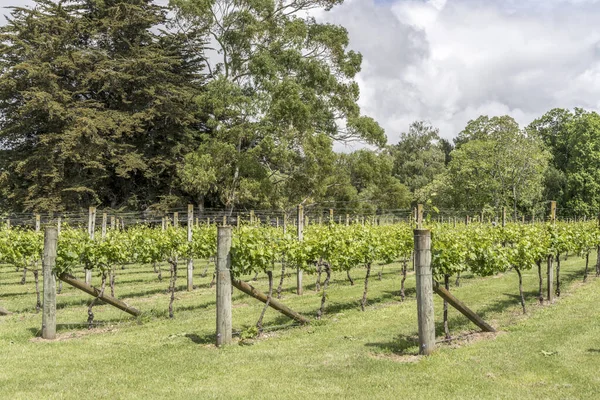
{"x": 478, "y": 249}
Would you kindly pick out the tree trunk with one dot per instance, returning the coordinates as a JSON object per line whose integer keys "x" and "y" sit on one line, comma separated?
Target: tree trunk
{"x": 112, "y": 283}
{"x": 587, "y": 263}
{"x": 319, "y": 271}
{"x": 350, "y": 278}
{"x": 172, "y": 285}
{"x": 24, "y": 278}
{"x": 59, "y": 290}
{"x": 38, "y": 304}
{"x": 212, "y": 282}
{"x": 521, "y": 289}
{"x": 363, "y": 303}
{"x": 379, "y": 275}
{"x": 324, "y": 296}
{"x": 457, "y": 283}
{"x": 598, "y": 261}
{"x": 402, "y": 293}
{"x": 90, "y": 320}
{"x": 280, "y": 287}
{"x": 541, "y": 282}
{"x": 447, "y": 286}
{"x": 259, "y": 325}
{"x": 558, "y": 275}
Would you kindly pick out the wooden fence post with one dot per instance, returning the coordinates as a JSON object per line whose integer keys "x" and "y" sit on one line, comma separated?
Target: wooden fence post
{"x": 503, "y": 217}
{"x": 104, "y": 221}
{"x": 58, "y": 225}
{"x": 300, "y": 231}
{"x": 48, "y": 264}
{"x": 224, "y": 324}
{"x": 190, "y": 263}
{"x": 175, "y": 220}
{"x": 424, "y": 291}
{"x": 37, "y": 222}
{"x": 91, "y": 230}
{"x": 419, "y": 216}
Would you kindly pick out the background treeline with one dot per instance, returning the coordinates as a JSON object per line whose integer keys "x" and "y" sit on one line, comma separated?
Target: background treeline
{"x": 237, "y": 104}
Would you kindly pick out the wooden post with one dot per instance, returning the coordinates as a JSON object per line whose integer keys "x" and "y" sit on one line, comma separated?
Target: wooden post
{"x": 91, "y": 230}
{"x": 224, "y": 220}
{"x": 550, "y": 271}
{"x": 37, "y": 222}
{"x": 48, "y": 264}
{"x": 190, "y": 261}
{"x": 224, "y": 324}
{"x": 460, "y": 306}
{"x": 414, "y": 216}
{"x": 424, "y": 291}
{"x": 175, "y": 220}
{"x": 347, "y": 219}
{"x": 94, "y": 292}
{"x": 8, "y": 223}
{"x": 467, "y": 220}
{"x": 419, "y": 216}
{"x": 251, "y": 217}
{"x": 258, "y": 295}
{"x": 503, "y": 217}
{"x": 104, "y": 220}
{"x": 300, "y": 231}
{"x": 58, "y": 225}
{"x": 113, "y": 222}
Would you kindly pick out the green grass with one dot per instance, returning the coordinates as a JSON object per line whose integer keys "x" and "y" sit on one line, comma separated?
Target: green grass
{"x": 553, "y": 352}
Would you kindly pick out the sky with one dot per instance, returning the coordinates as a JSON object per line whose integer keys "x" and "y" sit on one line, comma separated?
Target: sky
{"x": 450, "y": 61}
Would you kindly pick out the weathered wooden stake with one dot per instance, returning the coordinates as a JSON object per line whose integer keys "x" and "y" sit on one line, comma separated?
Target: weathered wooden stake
{"x": 113, "y": 222}
{"x": 37, "y": 222}
{"x": 91, "y": 230}
{"x": 175, "y": 219}
{"x": 104, "y": 221}
{"x": 58, "y": 225}
{"x": 300, "y": 231}
{"x": 424, "y": 291}
{"x": 224, "y": 324}
{"x": 190, "y": 263}
{"x": 48, "y": 264}
{"x": 419, "y": 216}
{"x": 460, "y": 306}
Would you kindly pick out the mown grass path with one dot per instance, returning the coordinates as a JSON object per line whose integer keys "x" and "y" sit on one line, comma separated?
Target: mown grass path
{"x": 553, "y": 352}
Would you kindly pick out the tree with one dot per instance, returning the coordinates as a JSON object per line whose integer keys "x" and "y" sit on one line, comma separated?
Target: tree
{"x": 97, "y": 105}
{"x": 573, "y": 138}
{"x": 419, "y": 156}
{"x": 280, "y": 89}
{"x": 370, "y": 175}
{"x": 494, "y": 164}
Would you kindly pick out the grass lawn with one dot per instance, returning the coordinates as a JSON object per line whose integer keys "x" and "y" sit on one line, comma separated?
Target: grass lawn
{"x": 552, "y": 352}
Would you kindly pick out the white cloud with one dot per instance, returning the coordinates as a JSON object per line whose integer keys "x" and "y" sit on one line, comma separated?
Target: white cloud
{"x": 450, "y": 61}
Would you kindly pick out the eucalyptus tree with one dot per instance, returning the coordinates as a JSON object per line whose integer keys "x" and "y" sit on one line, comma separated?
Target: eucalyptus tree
{"x": 279, "y": 92}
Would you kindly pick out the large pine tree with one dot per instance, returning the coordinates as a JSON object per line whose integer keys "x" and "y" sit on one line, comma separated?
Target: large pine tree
{"x": 96, "y": 105}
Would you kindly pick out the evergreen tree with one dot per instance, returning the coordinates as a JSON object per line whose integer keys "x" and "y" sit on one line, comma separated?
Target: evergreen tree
{"x": 96, "y": 105}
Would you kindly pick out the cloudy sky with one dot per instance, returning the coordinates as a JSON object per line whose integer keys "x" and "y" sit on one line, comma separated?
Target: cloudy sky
{"x": 449, "y": 61}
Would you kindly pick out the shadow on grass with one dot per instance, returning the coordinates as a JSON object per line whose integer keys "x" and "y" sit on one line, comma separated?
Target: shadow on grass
{"x": 402, "y": 345}
{"x": 14, "y": 294}
{"x": 204, "y": 339}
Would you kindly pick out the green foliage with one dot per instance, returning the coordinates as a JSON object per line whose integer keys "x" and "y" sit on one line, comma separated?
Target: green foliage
{"x": 97, "y": 105}
{"x": 419, "y": 156}
{"x": 573, "y": 138}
